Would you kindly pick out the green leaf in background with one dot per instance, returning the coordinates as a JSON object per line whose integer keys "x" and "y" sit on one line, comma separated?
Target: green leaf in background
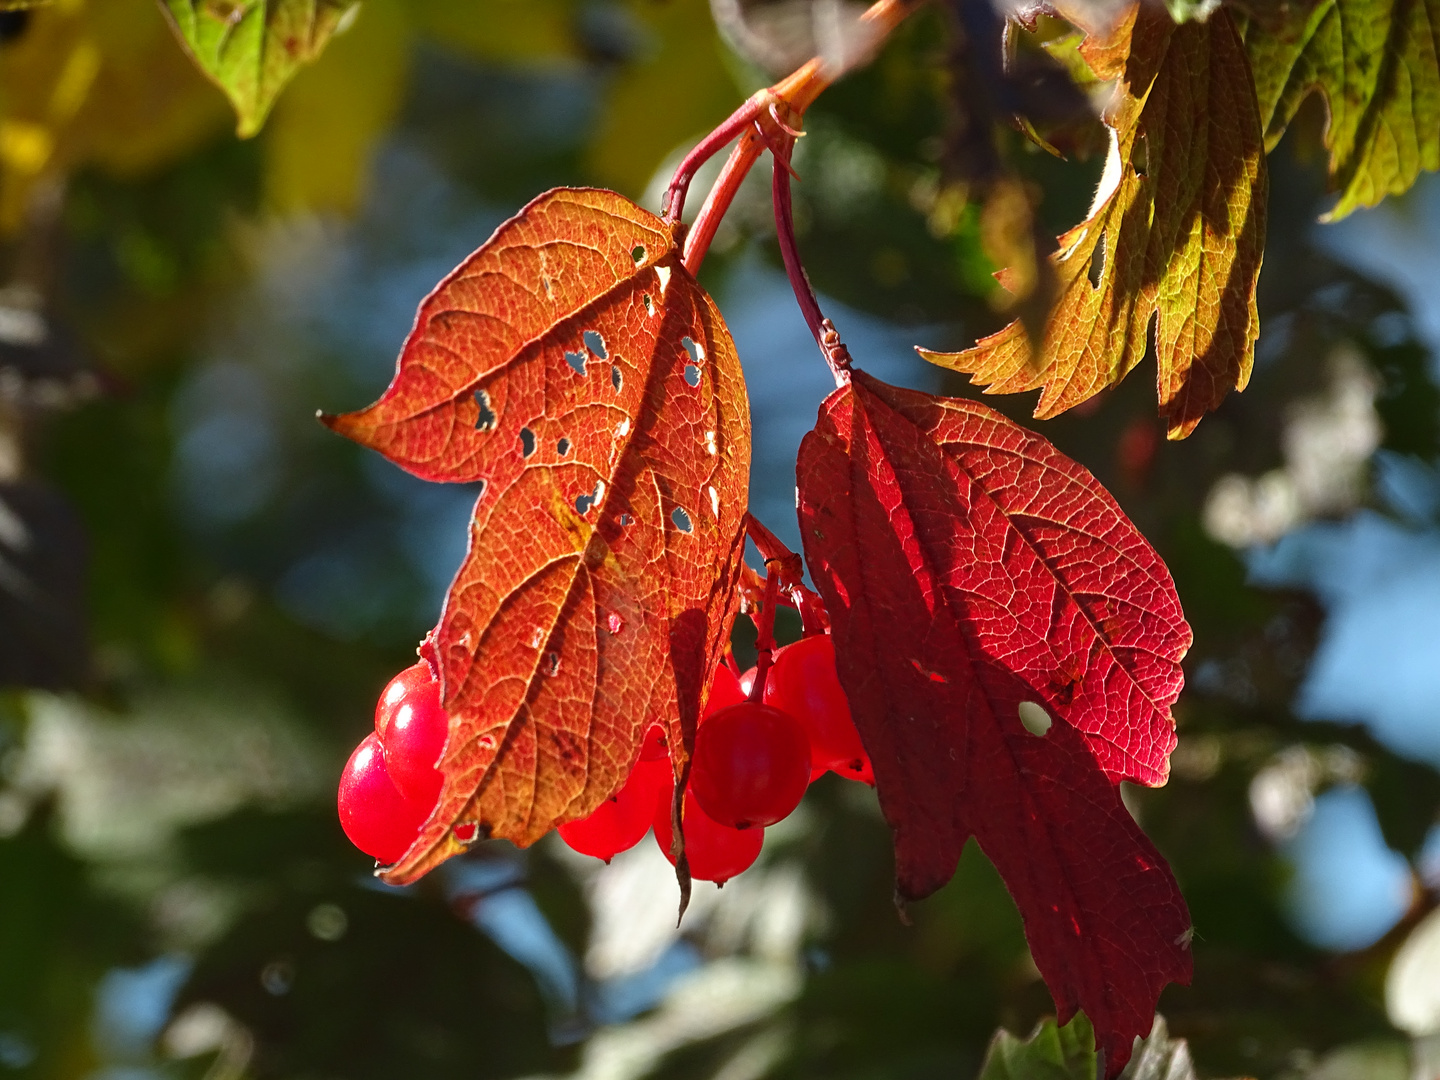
{"x": 1050, "y": 1053}
{"x": 252, "y": 48}
{"x": 1375, "y": 62}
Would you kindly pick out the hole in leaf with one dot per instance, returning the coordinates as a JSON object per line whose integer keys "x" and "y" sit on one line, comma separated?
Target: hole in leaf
{"x": 682, "y": 520}
{"x": 649, "y": 305}
{"x": 596, "y": 344}
{"x": 1140, "y": 157}
{"x": 714, "y": 502}
{"x": 696, "y": 352}
{"x": 545, "y": 282}
{"x": 577, "y": 361}
{"x": 1036, "y": 720}
{"x": 625, "y": 520}
{"x": 486, "y": 420}
{"x": 527, "y": 441}
{"x": 617, "y": 378}
{"x": 467, "y": 832}
{"x": 1097, "y": 263}
{"x": 692, "y": 374}
{"x": 552, "y": 663}
{"x": 615, "y": 623}
{"x": 562, "y": 447}
{"x": 638, "y": 253}
{"x": 933, "y": 676}
{"x": 583, "y": 503}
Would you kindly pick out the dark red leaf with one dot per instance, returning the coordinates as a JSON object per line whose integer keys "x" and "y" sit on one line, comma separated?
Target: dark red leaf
{"x": 969, "y": 567}
{"x": 575, "y": 368}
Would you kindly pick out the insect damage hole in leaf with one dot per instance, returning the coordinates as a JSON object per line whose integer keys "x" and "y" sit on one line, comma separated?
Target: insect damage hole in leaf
{"x": 596, "y": 344}
{"x": 637, "y": 253}
{"x": 562, "y": 447}
{"x": 692, "y": 374}
{"x": 576, "y": 360}
{"x": 682, "y": 520}
{"x": 527, "y": 442}
{"x": 1034, "y": 717}
{"x": 617, "y": 377}
{"x": 583, "y": 503}
{"x": 485, "y": 421}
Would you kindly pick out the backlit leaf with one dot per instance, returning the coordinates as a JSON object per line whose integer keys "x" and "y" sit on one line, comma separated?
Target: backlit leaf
{"x": 573, "y": 367}
{"x": 252, "y": 48}
{"x": 1051, "y": 1052}
{"x": 1010, "y": 647}
{"x": 1375, "y": 61}
{"x": 1173, "y": 243}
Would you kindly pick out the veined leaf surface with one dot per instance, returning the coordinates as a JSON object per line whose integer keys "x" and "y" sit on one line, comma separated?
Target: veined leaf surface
{"x": 1377, "y": 63}
{"x": 574, "y": 368}
{"x": 1174, "y": 240}
{"x": 983, "y": 588}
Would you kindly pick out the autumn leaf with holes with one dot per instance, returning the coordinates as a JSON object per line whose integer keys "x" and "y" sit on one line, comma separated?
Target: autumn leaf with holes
{"x": 576, "y": 370}
{"x": 974, "y": 575}
{"x": 1173, "y": 244}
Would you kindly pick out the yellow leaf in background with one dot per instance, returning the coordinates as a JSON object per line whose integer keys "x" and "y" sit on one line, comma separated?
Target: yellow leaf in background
{"x": 678, "y": 88}
{"x": 506, "y": 31}
{"x": 320, "y": 140}
{"x": 96, "y": 83}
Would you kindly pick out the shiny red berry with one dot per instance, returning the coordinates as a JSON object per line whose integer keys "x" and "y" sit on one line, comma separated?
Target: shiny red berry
{"x": 724, "y": 691}
{"x": 804, "y": 684}
{"x": 715, "y": 852}
{"x": 378, "y": 819}
{"x": 413, "y": 727}
{"x": 621, "y": 821}
{"x": 751, "y": 765}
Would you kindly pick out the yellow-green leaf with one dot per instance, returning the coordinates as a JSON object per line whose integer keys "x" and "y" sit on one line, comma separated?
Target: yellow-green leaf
{"x": 1173, "y": 244}
{"x": 1376, "y": 63}
{"x": 252, "y": 48}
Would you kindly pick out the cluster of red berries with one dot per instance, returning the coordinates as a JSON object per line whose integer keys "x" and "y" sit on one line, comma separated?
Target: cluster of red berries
{"x": 391, "y": 782}
{"x": 753, "y": 761}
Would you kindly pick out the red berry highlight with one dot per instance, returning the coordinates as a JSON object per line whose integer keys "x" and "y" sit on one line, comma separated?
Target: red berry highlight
{"x": 621, "y": 821}
{"x": 413, "y": 726}
{"x": 378, "y": 819}
{"x": 715, "y": 852}
{"x": 751, "y": 765}
{"x": 804, "y": 684}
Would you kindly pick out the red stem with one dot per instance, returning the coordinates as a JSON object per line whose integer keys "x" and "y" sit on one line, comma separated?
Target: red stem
{"x": 737, "y": 122}
{"x": 837, "y": 357}
{"x": 765, "y": 633}
{"x": 697, "y": 241}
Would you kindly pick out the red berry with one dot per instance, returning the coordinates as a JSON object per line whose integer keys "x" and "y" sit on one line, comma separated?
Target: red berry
{"x": 804, "y": 684}
{"x": 413, "y": 727}
{"x": 747, "y": 681}
{"x": 621, "y": 821}
{"x": 724, "y": 690}
{"x": 375, "y": 816}
{"x": 715, "y": 852}
{"x": 751, "y": 766}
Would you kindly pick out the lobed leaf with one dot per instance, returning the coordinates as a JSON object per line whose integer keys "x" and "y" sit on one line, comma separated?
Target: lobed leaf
{"x": 1375, "y": 62}
{"x": 1173, "y": 245}
{"x": 575, "y": 369}
{"x": 975, "y": 576}
{"x": 252, "y": 48}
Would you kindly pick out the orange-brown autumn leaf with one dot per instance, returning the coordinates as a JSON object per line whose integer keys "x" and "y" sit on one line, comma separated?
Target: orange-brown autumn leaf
{"x": 576, "y": 370}
{"x": 1174, "y": 240}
